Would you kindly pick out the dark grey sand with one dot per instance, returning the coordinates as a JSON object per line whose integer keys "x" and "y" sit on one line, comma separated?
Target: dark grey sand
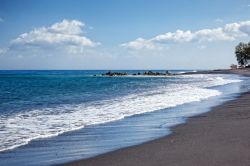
{"x": 217, "y": 138}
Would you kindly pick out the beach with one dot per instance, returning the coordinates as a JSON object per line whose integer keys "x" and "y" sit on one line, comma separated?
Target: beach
{"x": 80, "y": 118}
{"x": 219, "y": 137}
{"x": 124, "y": 83}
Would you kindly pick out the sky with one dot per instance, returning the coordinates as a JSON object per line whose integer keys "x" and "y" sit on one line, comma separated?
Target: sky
{"x": 121, "y": 34}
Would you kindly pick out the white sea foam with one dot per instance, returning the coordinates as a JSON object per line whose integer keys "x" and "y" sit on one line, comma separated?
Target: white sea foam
{"x": 19, "y": 129}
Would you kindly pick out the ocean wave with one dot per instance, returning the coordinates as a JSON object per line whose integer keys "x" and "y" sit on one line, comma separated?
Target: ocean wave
{"x": 19, "y": 129}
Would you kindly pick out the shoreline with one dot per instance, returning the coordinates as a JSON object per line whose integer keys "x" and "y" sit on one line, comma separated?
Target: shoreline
{"x": 218, "y": 137}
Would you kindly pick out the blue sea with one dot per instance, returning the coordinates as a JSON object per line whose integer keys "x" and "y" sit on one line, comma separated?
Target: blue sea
{"x": 53, "y": 117}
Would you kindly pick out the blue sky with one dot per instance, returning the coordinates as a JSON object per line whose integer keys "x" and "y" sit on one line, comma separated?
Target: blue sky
{"x": 116, "y": 34}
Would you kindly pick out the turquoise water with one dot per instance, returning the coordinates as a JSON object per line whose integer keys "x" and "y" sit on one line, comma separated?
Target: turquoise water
{"x": 59, "y": 116}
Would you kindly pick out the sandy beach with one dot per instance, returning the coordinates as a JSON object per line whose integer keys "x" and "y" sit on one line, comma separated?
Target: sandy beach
{"x": 124, "y": 83}
{"x": 219, "y": 137}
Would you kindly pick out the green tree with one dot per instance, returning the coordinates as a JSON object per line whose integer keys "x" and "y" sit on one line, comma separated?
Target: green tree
{"x": 242, "y": 52}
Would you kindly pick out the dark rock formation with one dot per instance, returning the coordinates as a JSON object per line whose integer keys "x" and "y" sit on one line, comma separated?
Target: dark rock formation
{"x": 114, "y": 74}
{"x": 147, "y": 73}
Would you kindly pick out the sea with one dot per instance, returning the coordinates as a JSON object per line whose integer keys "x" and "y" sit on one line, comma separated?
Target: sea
{"x": 51, "y": 117}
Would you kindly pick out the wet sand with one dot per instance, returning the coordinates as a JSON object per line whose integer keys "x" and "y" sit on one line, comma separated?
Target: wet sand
{"x": 220, "y": 137}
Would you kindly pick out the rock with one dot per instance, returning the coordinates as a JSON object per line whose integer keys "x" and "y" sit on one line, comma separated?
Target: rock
{"x": 114, "y": 74}
{"x": 148, "y": 73}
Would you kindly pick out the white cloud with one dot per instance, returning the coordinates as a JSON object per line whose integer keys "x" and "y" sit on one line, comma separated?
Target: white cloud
{"x": 140, "y": 43}
{"x": 65, "y": 33}
{"x": 1, "y": 19}
{"x": 245, "y": 27}
{"x": 229, "y": 32}
{"x": 178, "y": 36}
{"x": 73, "y": 27}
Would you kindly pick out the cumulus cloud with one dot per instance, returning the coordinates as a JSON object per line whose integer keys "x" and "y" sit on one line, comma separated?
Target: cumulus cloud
{"x": 229, "y": 32}
{"x": 245, "y": 27}
{"x": 73, "y": 27}
{"x": 140, "y": 43}
{"x": 65, "y": 33}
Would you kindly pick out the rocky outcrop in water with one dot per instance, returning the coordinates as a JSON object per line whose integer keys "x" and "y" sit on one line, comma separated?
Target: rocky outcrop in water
{"x": 147, "y": 73}
{"x": 114, "y": 74}
{"x": 150, "y": 73}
